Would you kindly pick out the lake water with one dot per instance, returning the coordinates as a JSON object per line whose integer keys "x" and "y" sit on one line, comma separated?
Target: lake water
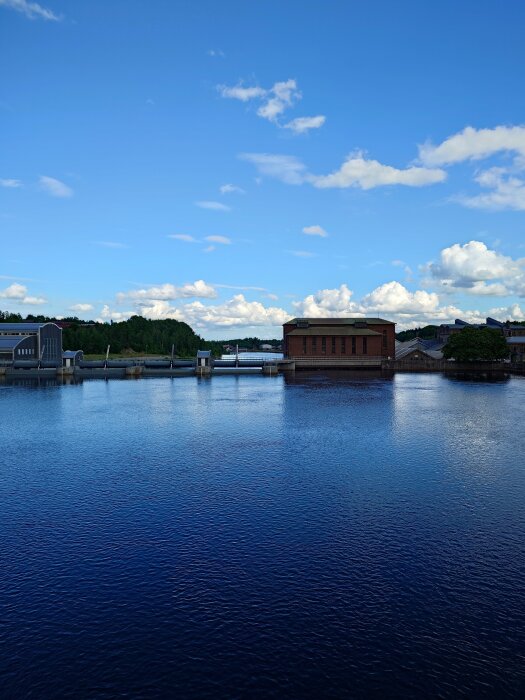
{"x": 322, "y": 536}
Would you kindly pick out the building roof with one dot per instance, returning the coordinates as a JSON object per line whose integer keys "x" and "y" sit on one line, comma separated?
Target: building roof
{"x": 71, "y": 354}
{"x": 431, "y": 348}
{"x": 21, "y": 327}
{"x": 340, "y": 321}
{"x": 8, "y": 342}
{"x": 332, "y": 330}
{"x": 203, "y": 353}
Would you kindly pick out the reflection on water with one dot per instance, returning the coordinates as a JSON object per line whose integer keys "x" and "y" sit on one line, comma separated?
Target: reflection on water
{"x": 317, "y": 534}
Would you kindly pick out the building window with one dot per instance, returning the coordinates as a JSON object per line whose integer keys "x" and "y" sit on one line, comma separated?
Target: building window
{"x": 333, "y": 345}
{"x": 353, "y": 345}
{"x": 304, "y": 345}
{"x": 314, "y": 345}
{"x": 323, "y": 344}
{"x": 365, "y": 345}
{"x": 385, "y": 340}
{"x": 343, "y": 346}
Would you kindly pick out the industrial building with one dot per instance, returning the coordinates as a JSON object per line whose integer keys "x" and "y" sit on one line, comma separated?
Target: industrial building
{"x": 30, "y": 345}
{"x": 338, "y": 342}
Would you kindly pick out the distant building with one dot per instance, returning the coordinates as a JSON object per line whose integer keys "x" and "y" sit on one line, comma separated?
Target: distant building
{"x": 419, "y": 349}
{"x": 31, "y": 343}
{"x": 517, "y": 347}
{"x": 338, "y": 342}
{"x": 266, "y": 346}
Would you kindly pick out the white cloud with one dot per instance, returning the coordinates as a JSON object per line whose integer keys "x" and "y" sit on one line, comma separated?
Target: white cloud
{"x": 237, "y": 312}
{"x": 326, "y": 303}
{"x": 241, "y": 287}
{"x": 276, "y": 100}
{"x": 474, "y": 144}
{"x": 508, "y": 192}
{"x": 10, "y": 182}
{"x": 302, "y": 253}
{"x": 108, "y": 315}
{"x": 32, "y": 10}
{"x": 216, "y": 53}
{"x": 288, "y": 169}
{"x": 183, "y": 237}
{"x": 283, "y": 96}
{"x": 238, "y": 92}
{"x": 17, "y": 293}
{"x": 81, "y": 307}
{"x": 357, "y": 171}
{"x": 223, "y": 240}
{"x": 302, "y": 125}
{"x": 54, "y": 187}
{"x": 315, "y": 231}
{"x": 169, "y": 292}
{"x": 209, "y": 249}
{"x": 229, "y": 189}
{"x": 216, "y": 206}
{"x": 469, "y": 267}
{"x": 394, "y": 298}
{"x": 111, "y": 244}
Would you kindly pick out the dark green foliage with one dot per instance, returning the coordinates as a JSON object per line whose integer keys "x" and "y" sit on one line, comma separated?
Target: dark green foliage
{"x": 476, "y": 344}
{"x": 137, "y": 335}
{"x": 426, "y": 333}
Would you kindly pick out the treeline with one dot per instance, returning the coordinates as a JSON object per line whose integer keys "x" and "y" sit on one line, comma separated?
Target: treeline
{"x": 136, "y": 335}
{"x": 426, "y": 333}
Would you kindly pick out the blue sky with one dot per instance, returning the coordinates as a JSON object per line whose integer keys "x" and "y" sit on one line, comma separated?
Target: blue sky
{"x": 234, "y": 164}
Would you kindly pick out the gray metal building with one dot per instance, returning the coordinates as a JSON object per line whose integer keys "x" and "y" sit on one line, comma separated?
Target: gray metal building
{"x": 27, "y": 344}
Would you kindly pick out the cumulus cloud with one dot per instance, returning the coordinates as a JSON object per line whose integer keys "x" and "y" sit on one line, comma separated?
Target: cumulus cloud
{"x": 17, "y": 293}
{"x": 54, "y": 187}
{"x": 239, "y": 92}
{"x": 301, "y": 125}
{"x": 508, "y": 191}
{"x": 476, "y": 269}
{"x": 356, "y": 171}
{"x": 474, "y": 144}
{"x": 288, "y": 169}
{"x": 82, "y": 308}
{"x": 215, "y": 206}
{"x": 275, "y": 101}
{"x": 281, "y": 96}
{"x": 10, "y": 182}
{"x": 328, "y": 302}
{"x": 183, "y": 237}
{"x": 32, "y": 10}
{"x": 236, "y": 312}
{"x": 223, "y": 240}
{"x": 315, "y": 231}
{"x": 229, "y": 189}
{"x": 169, "y": 292}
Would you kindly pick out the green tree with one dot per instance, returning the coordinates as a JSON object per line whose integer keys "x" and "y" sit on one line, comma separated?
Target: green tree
{"x": 476, "y": 344}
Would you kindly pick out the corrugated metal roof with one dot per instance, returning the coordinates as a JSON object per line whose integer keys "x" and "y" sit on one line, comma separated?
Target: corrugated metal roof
{"x": 8, "y": 342}
{"x": 516, "y": 339}
{"x": 342, "y": 321}
{"x": 333, "y": 330}
{"x": 203, "y": 353}
{"x": 71, "y": 354}
{"x": 20, "y": 327}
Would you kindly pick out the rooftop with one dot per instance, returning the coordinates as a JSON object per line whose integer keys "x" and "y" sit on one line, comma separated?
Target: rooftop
{"x": 8, "y": 342}
{"x": 21, "y": 327}
{"x": 340, "y": 321}
{"x": 333, "y": 330}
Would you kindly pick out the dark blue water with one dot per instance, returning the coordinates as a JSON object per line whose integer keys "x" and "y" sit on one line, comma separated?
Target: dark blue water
{"x": 257, "y": 537}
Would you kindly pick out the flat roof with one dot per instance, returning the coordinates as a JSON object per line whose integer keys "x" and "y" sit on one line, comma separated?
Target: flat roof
{"x": 515, "y": 339}
{"x": 341, "y": 321}
{"x": 18, "y": 327}
{"x": 332, "y": 330}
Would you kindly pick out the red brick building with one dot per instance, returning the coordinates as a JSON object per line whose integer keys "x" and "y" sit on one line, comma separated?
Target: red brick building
{"x": 338, "y": 342}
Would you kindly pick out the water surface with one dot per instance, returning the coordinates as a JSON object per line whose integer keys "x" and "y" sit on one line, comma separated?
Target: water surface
{"x": 318, "y": 536}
